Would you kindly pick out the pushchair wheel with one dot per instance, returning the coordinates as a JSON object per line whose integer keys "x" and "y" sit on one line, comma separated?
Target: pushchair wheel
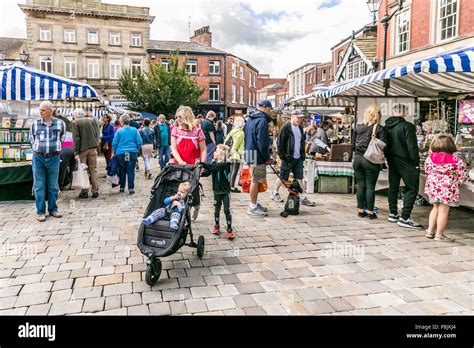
{"x": 200, "y": 246}
{"x": 153, "y": 272}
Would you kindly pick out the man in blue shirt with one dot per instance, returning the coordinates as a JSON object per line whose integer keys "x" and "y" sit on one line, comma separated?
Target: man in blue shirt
{"x": 163, "y": 140}
{"x": 46, "y": 136}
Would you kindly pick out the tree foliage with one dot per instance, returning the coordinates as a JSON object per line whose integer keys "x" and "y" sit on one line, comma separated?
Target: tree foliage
{"x": 160, "y": 90}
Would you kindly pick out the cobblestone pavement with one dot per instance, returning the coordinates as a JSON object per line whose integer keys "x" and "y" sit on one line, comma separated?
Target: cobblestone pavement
{"x": 324, "y": 261}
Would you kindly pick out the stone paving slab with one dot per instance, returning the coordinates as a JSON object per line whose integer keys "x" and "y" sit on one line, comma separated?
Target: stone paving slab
{"x": 325, "y": 261}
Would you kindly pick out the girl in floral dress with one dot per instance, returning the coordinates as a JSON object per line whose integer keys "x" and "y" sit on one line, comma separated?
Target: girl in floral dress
{"x": 444, "y": 173}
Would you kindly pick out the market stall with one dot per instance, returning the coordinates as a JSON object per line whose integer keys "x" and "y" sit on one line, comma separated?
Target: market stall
{"x": 445, "y": 79}
{"x": 27, "y": 85}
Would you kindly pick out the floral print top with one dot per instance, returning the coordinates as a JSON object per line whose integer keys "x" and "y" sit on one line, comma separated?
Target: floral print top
{"x": 444, "y": 173}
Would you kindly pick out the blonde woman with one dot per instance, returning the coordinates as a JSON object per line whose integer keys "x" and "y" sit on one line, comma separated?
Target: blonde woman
{"x": 366, "y": 173}
{"x": 236, "y": 137}
{"x": 188, "y": 144}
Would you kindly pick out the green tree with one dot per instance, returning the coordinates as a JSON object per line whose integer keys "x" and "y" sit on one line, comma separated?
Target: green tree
{"x": 160, "y": 90}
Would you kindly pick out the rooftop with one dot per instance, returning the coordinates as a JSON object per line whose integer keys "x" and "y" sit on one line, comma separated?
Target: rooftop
{"x": 11, "y": 47}
{"x": 182, "y": 46}
{"x": 368, "y": 47}
{"x": 93, "y": 8}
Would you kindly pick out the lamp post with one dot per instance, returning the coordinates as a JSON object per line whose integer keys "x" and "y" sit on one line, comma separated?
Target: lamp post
{"x": 374, "y": 6}
{"x": 385, "y": 21}
{"x": 24, "y": 57}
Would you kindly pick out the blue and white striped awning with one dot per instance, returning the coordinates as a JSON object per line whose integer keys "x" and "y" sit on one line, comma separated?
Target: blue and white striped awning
{"x": 19, "y": 82}
{"x": 95, "y": 113}
{"x": 451, "y": 72}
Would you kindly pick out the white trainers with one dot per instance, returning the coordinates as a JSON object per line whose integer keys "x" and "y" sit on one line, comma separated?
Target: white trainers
{"x": 276, "y": 197}
{"x": 408, "y": 223}
{"x": 256, "y": 212}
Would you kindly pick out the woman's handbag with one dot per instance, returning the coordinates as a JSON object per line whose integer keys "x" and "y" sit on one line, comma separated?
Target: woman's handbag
{"x": 374, "y": 152}
{"x": 104, "y": 146}
{"x": 80, "y": 177}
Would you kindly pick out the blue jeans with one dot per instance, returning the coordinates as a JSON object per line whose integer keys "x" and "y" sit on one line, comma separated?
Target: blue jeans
{"x": 210, "y": 149}
{"x": 163, "y": 155}
{"x": 45, "y": 172}
{"x": 127, "y": 169}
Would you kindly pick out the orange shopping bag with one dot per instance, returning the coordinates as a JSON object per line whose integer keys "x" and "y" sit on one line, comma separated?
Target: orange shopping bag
{"x": 246, "y": 178}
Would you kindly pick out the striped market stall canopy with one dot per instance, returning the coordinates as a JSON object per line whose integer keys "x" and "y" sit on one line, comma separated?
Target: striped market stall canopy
{"x": 24, "y": 83}
{"x": 449, "y": 72}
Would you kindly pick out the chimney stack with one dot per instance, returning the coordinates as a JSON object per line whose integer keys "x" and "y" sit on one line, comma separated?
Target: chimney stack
{"x": 202, "y": 36}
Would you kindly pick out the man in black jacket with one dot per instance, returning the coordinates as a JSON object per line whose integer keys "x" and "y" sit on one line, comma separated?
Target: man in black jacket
{"x": 403, "y": 163}
{"x": 291, "y": 149}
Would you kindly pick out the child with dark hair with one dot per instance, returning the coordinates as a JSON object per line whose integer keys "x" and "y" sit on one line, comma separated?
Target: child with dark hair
{"x": 220, "y": 170}
{"x": 444, "y": 173}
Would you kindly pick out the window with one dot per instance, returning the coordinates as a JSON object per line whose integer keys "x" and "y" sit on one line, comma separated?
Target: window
{"x": 70, "y": 67}
{"x": 250, "y": 99}
{"x": 70, "y": 35}
{"x": 191, "y": 67}
{"x": 403, "y": 32}
{"x": 45, "y": 34}
{"x": 165, "y": 63}
{"x": 234, "y": 70}
{"x": 115, "y": 69}
{"x": 362, "y": 67}
{"x": 136, "y": 67}
{"x": 115, "y": 39}
{"x": 323, "y": 74}
{"x": 234, "y": 94}
{"x": 241, "y": 72}
{"x": 448, "y": 20}
{"x": 214, "y": 67}
{"x": 250, "y": 79}
{"x": 93, "y": 68}
{"x": 46, "y": 64}
{"x": 214, "y": 92}
{"x": 93, "y": 37}
{"x": 136, "y": 40}
{"x": 254, "y": 82}
{"x": 241, "y": 94}
{"x": 350, "y": 71}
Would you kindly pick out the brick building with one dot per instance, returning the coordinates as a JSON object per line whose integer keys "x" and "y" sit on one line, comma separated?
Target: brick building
{"x": 424, "y": 28}
{"x": 270, "y": 88}
{"x": 319, "y": 74}
{"x": 87, "y": 40}
{"x": 297, "y": 80}
{"x": 230, "y": 82}
{"x": 355, "y": 55}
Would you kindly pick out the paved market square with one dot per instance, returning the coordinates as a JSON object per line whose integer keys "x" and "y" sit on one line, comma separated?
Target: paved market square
{"x": 324, "y": 262}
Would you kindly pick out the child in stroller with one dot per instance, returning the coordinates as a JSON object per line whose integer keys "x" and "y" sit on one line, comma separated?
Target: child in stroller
{"x": 174, "y": 204}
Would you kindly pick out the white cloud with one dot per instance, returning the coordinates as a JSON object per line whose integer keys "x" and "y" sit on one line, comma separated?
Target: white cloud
{"x": 276, "y": 36}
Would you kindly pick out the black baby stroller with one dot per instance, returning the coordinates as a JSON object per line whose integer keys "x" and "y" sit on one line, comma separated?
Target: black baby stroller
{"x": 158, "y": 239}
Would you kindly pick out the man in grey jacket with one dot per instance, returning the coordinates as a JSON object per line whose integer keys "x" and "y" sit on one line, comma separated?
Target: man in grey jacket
{"x": 85, "y": 131}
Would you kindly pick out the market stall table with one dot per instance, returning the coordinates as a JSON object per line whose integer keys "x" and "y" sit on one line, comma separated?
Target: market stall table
{"x": 327, "y": 174}
{"x": 16, "y": 181}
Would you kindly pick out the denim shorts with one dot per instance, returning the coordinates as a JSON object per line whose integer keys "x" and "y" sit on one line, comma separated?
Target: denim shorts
{"x": 294, "y": 166}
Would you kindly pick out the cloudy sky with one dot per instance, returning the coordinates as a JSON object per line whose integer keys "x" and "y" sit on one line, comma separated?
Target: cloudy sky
{"x": 276, "y": 36}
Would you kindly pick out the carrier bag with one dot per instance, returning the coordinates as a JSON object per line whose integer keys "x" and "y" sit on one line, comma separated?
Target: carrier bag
{"x": 374, "y": 152}
{"x": 80, "y": 177}
{"x": 246, "y": 179}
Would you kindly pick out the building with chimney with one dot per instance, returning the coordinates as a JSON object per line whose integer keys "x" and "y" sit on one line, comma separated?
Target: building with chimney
{"x": 230, "y": 82}
{"x": 87, "y": 40}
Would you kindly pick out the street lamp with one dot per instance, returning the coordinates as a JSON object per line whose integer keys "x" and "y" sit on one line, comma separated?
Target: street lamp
{"x": 374, "y": 6}
{"x": 385, "y": 21}
{"x": 24, "y": 57}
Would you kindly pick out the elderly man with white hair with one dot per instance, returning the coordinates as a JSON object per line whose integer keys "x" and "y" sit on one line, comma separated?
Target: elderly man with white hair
{"x": 46, "y": 136}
